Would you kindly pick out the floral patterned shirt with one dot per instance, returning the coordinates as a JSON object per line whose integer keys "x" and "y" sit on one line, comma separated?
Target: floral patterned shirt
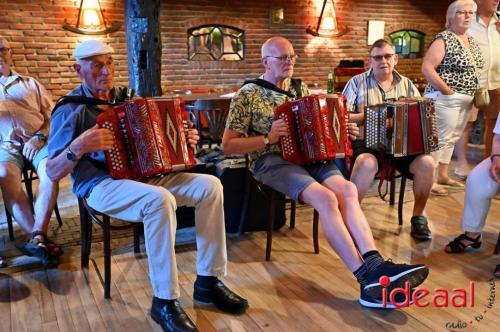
{"x": 251, "y": 113}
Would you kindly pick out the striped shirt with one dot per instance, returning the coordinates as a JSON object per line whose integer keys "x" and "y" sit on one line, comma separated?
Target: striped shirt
{"x": 363, "y": 90}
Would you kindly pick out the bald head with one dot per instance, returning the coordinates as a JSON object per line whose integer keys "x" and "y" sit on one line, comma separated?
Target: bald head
{"x": 274, "y": 45}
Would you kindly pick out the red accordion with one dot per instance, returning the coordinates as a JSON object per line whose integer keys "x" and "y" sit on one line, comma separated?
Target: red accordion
{"x": 400, "y": 128}
{"x": 149, "y": 138}
{"x": 318, "y": 130}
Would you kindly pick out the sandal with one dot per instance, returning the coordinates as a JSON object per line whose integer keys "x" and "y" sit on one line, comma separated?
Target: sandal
{"x": 497, "y": 271}
{"x": 2, "y": 262}
{"x": 54, "y": 248}
{"x": 36, "y": 246}
{"x": 457, "y": 246}
{"x": 451, "y": 183}
{"x": 439, "y": 191}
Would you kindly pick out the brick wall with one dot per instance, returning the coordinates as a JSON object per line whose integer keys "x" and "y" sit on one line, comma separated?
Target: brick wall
{"x": 43, "y": 49}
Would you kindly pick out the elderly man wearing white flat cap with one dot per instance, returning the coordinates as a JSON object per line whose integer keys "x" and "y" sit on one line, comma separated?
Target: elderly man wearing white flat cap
{"x": 24, "y": 125}
{"x": 77, "y": 146}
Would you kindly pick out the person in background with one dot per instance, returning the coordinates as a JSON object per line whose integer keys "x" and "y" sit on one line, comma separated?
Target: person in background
{"x": 251, "y": 129}
{"x": 485, "y": 29}
{"x": 451, "y": 66}
{"x": 483, "y": 183}
{"x": 77, "y": 146}
{"x": 25, "y": 108}
{"x": 376, "y": 86}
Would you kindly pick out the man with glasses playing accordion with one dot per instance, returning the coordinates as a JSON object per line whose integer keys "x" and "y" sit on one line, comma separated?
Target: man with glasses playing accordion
{"x": 381, "y": 83}
{"x": 251, "y": 129}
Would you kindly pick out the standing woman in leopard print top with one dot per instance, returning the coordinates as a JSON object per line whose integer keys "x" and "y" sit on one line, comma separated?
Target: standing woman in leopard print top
{"x": 451, "y": 66}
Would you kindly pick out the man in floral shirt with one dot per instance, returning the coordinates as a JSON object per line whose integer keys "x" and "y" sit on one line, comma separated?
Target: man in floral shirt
{"x": 251, "y": 129}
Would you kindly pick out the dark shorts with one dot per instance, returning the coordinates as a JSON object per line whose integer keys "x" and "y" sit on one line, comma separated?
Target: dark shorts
{"x": 289, "y": 178}
{"x": 402, "y": 163}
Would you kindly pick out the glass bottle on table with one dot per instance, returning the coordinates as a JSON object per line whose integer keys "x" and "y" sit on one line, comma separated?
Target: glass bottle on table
{"x": 329, "y": 83}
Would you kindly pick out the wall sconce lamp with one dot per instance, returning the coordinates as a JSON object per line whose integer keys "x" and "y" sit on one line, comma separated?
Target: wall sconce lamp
{"x": 327, "y": 22}
{"x": 90, "y": 20}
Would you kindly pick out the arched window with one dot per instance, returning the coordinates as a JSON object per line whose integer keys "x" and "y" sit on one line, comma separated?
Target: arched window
{"x": 409, "y": 43}
{"x": 215, "y": 42}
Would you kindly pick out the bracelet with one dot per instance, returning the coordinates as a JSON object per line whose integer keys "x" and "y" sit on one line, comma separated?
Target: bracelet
{"x": 494, "y": 155}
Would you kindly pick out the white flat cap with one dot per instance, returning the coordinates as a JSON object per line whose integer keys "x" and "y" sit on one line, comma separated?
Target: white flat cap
{"x": 90, "y": 48}
{"x": 5, "y": 42}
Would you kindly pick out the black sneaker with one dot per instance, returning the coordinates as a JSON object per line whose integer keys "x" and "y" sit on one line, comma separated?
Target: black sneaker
{"x": 420, "y": 229}
{"x": 371, "y": 302}
{"x": 396, "y": 277}
{"x": 220, "y": 296}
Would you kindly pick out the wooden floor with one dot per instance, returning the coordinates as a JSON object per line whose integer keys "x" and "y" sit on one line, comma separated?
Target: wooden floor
{"x": 296, "y": 291}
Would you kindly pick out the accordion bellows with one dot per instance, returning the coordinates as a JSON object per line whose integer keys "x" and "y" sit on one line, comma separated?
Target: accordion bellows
{"x": 401, "y": 128}
{"x": 318, "y": 131}
{"x": 149, "y": 138}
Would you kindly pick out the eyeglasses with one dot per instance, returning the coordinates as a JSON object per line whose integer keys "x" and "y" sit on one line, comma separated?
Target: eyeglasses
{"x": 463, "y": 12}
{"x": 385, "y": 56}
{"x": 283, "y": 58}
{"x": 4, "y": 49}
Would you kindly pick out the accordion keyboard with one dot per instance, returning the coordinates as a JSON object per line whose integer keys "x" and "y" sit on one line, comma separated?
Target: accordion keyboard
{"x": 116, "y": 162}
{"x": 287, "y": 146}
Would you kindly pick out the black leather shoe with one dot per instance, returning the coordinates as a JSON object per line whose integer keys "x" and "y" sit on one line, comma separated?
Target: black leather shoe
{"x": 419, "y": 228}
{"x": 171, "y": 317}
{"x": 221, "y": 296}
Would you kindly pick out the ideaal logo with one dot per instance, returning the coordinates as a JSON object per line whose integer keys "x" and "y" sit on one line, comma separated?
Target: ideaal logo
{"x": 422, "y": 297}
{"x": 440, "y": 297}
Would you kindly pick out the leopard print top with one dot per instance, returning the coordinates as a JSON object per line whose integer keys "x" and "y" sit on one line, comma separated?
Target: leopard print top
{"x": 460, "y": 67}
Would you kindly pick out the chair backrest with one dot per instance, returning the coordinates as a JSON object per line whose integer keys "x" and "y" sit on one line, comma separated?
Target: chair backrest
{"x": 211, "y": 114}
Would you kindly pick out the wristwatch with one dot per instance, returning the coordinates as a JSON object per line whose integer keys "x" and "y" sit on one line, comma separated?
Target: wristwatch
{"x": 70, "y": 155}
{"x": 41, "y": 137}
{"x": 266, "y": 140}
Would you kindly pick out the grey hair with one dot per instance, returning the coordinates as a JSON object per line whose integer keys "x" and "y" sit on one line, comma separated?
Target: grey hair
{"x": 454, "y": 6}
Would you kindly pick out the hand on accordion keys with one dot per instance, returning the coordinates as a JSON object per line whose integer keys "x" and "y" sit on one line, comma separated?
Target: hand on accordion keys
{"x": 192, "y": 136}
{"x": 279, "y": 128}
{"x": 352, "y": 130}
{"x": 93, "y": 140}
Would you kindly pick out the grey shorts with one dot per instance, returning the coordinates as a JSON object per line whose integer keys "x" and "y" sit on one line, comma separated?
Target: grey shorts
{"x": 8, "y": 156}
{"x": 289, "y": 178}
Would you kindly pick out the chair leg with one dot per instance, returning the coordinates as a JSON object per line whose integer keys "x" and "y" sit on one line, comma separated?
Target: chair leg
{"x": 28, "y": 183}
{"x": 58, "y": 215}
{"x": 497, "y": 247}
{"x": 9, "y": 224}
{"x": 85, "y": 234}
{"x": 293, "y": 208}
{"x": 392, "y": 194}
{"x": 137, "y": 239}
{"x": 315, "y": 231}
{"x": 401, "y": 200}
{"x": 107, "y": 257}
{"x": 270, "y": 226}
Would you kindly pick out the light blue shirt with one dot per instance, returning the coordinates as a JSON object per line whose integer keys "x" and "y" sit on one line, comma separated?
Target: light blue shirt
{"x": 67, "y": 123}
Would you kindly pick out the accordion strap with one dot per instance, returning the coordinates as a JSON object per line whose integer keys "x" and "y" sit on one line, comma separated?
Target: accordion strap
{"x": 387, "y": 172}
{"x": 79, "y": 100}
{"x": 268, "y": 85}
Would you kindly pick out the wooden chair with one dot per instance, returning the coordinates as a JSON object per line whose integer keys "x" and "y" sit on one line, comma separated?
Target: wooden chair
{"x": 274, "y": 196}
{"x": 89, "y": 215}
{"x": 392, "y": 195}
{"x": 210, "y": 118}
{"x": 28, "y": 176}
